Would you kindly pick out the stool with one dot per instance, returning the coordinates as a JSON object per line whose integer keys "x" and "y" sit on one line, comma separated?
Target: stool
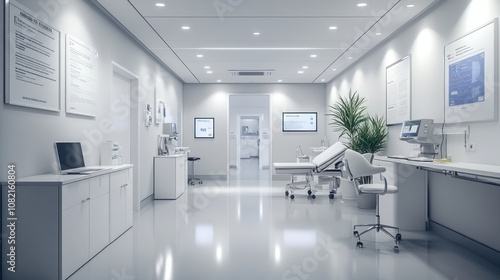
{"x": 192, "y": 179}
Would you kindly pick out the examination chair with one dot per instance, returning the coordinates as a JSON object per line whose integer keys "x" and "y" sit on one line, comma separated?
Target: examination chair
{"x": 326, "y": 163}
{"x": 357, "y": 166}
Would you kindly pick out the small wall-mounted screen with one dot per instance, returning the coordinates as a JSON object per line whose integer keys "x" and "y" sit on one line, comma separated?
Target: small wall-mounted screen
{"x": 299, "y": 122}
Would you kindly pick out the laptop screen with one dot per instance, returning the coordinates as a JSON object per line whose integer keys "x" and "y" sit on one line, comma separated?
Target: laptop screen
{"x": 69, "y": 155}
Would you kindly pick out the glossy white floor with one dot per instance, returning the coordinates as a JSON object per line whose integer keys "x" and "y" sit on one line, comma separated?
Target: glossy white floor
{"x": 246, "y": 228}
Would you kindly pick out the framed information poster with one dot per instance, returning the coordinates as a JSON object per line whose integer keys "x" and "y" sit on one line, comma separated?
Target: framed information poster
{"x": 81, "y": 77}
{"x": 398, "y": 91}
{"x": 32, "y": 61}
{"x": 470, "y": 76}
{"x": 204, "y": 128}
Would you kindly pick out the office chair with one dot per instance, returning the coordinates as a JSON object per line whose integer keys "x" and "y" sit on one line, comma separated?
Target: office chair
{"x": 358, "y": 169}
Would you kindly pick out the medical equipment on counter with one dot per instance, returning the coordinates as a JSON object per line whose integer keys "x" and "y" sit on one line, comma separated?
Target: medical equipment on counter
{"x": 426, "y": 133}
{"x": 110, "y": 153}
{"x": 163, "y": 148}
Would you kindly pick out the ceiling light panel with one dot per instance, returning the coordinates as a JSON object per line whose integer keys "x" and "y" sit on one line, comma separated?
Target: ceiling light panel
{"x": 312, "y": 8}
{"x": 212, "y": 32}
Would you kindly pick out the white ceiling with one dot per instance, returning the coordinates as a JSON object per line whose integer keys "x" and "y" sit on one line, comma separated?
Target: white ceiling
{"x": 290, "y": 32}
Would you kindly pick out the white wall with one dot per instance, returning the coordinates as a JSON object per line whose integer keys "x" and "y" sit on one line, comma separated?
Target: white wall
{"x": 425, "y": 41}
{"x": 27, "y": 135}
{"x": 211, "y": 100}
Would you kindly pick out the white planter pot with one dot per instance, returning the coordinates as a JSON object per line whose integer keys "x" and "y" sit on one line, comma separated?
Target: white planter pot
{"x": 347, "y": 189}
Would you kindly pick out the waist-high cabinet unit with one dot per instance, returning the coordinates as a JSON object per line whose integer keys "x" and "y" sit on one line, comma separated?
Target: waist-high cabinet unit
{"x": 62, "y": 221}
{"x": 170, "y": 176}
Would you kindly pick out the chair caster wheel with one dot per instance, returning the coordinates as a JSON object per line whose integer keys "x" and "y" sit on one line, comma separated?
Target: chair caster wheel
{"x": 200, "y": 182}
{"x": 313, "y": 196}
{"x": 355, "y": 233}
{"x": 396, "y": 248}
{"x": 309, "y": 192}
{"x": 287, "y": 193}
{"x": 292, "y": 196}
{"x": 398, "y": 237}
{"x": 331, "y": 196}
{"x": 359, "y": 244}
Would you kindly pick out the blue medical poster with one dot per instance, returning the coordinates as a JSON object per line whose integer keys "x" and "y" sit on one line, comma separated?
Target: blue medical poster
{"x": 466, "y": 81}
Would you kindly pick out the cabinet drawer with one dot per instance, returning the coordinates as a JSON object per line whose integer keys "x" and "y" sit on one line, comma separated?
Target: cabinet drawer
{"x": 74, "y": 193}
{"x": 118, "y": 179}
{"x": 99, "y": 186}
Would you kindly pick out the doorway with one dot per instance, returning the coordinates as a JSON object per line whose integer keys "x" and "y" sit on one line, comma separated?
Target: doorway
{"x": 249, "y": 135}
{"x": 125, "y": 116}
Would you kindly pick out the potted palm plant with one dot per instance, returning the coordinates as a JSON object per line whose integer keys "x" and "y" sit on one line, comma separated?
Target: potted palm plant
{"x": 359, "y": 131}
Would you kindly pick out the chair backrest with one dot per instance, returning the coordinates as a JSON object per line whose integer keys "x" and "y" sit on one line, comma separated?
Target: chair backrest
{"x": 329, "y": 156}
{"x": 358, "y": 166}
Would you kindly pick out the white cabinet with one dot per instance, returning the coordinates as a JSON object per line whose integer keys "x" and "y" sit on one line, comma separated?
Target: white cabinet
{"x": 99, "y": 213}
{"x": 66, "y": 220}
{"x": 75, "y": 226}
{"x": 170, "y": 178}
{"x": 120, "y": 203}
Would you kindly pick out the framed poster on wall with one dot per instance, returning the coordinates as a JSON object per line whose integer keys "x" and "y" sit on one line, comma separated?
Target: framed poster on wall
{"x": 81, "y": 77}
{"x": 204, "y": 128}
{"x": 32, "y": 67}
{"x": 398, "y": 91}
{"x": 470, "y": 76}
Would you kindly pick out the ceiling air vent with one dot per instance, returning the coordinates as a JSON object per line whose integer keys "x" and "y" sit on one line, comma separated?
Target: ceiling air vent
{"x": 251, "y": 73}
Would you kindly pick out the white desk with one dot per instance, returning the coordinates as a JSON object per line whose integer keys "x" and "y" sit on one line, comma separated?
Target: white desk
{"x": 451, "y": 197}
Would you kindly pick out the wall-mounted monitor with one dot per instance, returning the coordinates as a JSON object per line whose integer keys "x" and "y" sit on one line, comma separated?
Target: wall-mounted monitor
{"x": 299, "y": 122}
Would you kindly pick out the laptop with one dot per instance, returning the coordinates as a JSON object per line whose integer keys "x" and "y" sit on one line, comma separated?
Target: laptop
{"x": 70, "y": 159}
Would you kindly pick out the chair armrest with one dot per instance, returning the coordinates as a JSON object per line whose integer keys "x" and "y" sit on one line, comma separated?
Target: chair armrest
{"x": 382, "y": 177}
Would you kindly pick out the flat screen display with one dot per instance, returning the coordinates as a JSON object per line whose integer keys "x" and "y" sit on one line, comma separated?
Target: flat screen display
{"x": 69, "y": 155}
{"x": 300, "y": 121}
{"x": 410, "y": 129}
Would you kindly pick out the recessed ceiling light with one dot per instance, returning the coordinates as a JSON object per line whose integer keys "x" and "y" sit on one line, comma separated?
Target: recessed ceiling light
{"x": 362, "y": 5}
{"x": 209, "y": 72}
{"x": 378, "y": 33}
{"x": 256, "y": 33}
{"x": 300, "y": 72}
{"x": 218, "y": 81}
{"x": 305, "y": 67}
{"x": 207, "y": 67}
{"x": 279, "y": 81}
{"x": 322, "y": 80}
{"x": 410, "y": 5}
{"x": 332, "y": 27}
{"x": 186, "y": 27}
{"x": 349, "y": 57}
{"x": 334, "y": 69}
{"x": 314, "y": 55}
{"x": 199, "y": 55}
{"x": 160, "y": 4}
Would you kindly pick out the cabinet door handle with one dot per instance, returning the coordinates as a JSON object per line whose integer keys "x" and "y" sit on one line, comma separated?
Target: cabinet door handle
{"x": 124, "y": 185}
{"x": 88, "y": 198}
